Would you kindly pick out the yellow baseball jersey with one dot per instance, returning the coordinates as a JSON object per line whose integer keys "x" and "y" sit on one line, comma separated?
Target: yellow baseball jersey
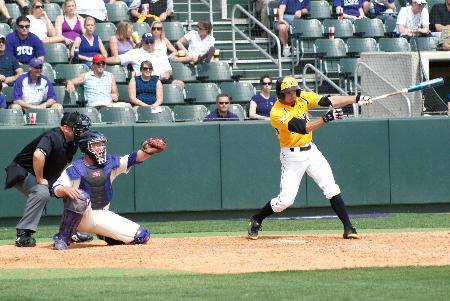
{"x": 281, "y": 114}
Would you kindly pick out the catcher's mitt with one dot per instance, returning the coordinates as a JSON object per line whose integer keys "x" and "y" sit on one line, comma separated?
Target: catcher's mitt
{"x": 152, "y": 146}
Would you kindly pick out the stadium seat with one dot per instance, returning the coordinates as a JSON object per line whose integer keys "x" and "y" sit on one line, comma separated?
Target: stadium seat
{"x": 117, "y": 115}
{"x": 320, "y": 10}
{"x": 190, "y": 113}
{"x": 304, "y": 32}
{"x": 342, "y": 29}
{"x": 172, "y": 94}
{"x": 239, "y": 92}
{"x": 117, "y": 12}
{"x": 201, "y": 92}
{"x": 185, "y": 72}
{"x": 5, "y": 29}
{"x": 141, "y": 28}
{"x": 92, "y": 113}
{"x": 369, "y": 28}
{"x": 56, "y": 53}
{"x": 330, "y": 51}
{"x": 173, "y": 30}
{"x": 47, "y": 70}
{"x": 390, "y": 25}
{"x": 214, "y": 72}
{"x": 123, "y": 92}
{"x": 272, "y": 11}
{"x": 144, "y": 114}
{"x": 105, "y": 30}
{"x": 424, "y": 43}
{"x": 53, "y": 10}
{"x": 234, "y": 108}
{"x": 357, "y": 45}
{"x": 8, "y": 91}
{"x": 65, "y": 98}
{"x": 347, "y": 72}
{"x": 431, "y": 3}
{"x": 394, "y": 45}
{"x": 13, "y": 10}
{"x": 119, "y": 73}
{"x": 11, "y": 117}
{"x": 51, "y": 117}
{"x": 65, "y": 72}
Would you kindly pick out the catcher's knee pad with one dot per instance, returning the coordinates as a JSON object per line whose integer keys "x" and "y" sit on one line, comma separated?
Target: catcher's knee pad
{"x": 78, "y": 205}
{"x": 142, "y": 236}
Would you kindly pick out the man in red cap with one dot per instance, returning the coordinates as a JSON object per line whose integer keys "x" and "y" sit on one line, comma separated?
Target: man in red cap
{"x": 100, "y": 89}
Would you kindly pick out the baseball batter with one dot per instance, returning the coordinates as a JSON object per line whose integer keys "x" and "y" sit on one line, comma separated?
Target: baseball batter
{"x": 293, "y": 127}
{"x": 86, "y": 186}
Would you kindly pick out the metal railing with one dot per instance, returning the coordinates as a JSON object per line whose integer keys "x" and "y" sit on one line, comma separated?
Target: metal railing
{"x": 208, "y": 4}
{"x": 235, "y": 29}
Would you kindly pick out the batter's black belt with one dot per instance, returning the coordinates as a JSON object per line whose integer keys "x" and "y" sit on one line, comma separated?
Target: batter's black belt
{"x": 302, "y": 149}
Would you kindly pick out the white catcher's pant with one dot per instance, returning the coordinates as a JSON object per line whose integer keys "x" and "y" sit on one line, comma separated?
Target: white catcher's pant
{"x": 293, "y": 166}
{"x": 107, "y": 223}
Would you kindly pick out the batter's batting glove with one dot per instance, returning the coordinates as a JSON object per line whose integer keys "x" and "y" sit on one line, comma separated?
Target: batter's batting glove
{"x": 333, "y": 114}
{"x": 363, "y": 100}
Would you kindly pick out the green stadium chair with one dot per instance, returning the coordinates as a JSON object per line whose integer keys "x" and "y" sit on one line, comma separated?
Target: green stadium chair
{"x": 214, "y": 72}
{"x": 14, "y": 10}
{"x": 172, "y": 94}
{"x": 190, "y": 113}
{"x": 8, "y": 91}
{"x": 119, "y": 73}
{"x": 173, "y": 30}
{"x": 200, "y": 93}
{"x": 117, "y": 12}
{"x": 320, "y": 10}
{"x": 144, "y": 114}
{"x": 272, "y": 11}
{"x": 50, "y": 117}
{"x": 123, "y": 92}
{"x": 304, "y": 33}
{"x": 369, "y": 28}
{"x": 185, "y": 72}
{"x": 347, "y": 73}
{"x": 65, "y": 72}
{"x": 394, "y": 45}
{"x": 117, "y": 115}
{"x": 357, "y": 45}
{"x": 47, "y": 70}
{"x": 11, "y": 117}
{"x": 390, "y": 25}
{"x": 424, "y": 43}
{"x": 330, "y": 51}
{"x": 342, "y": 29}
{"x": 239, "y": 92}
{"x": 53, "y": 10}
{"x": 431, "y": 3}
{"x": 65, "y": 98}
{"x": 92, "y": 113}
{"x": 141, "y": 28}
{"x": 56, "y": 53}
{"x": 5, "y": 29}
{"x": 105, "y": 30}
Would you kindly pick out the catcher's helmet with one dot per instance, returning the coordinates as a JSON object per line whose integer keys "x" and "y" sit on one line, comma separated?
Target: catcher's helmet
{"x": 79, "y": 122}
{"x": 286, "y": 84}
{"x": 97, "y": 153}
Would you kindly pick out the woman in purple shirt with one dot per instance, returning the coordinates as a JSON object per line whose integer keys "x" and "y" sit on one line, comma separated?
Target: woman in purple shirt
{"x": 262, "y": 103}
{"x": 121, "y": 42}
{"x": 89, "y": 44}
{"x": 69, "y": 24}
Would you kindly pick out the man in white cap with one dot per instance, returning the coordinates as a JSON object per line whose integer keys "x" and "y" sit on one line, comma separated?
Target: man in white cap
{"x": 413, "y": 20}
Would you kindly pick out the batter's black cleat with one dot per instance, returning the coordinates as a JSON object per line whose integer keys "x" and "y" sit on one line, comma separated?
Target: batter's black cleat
{"x": 350, "y": 233}
{"x": 24, "y": 239}
{"x": 81, "y": 237}
{"x": 253, "y": 229}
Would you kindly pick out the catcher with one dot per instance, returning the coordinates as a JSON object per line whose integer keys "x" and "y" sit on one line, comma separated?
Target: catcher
{"x": 86, "y": 186}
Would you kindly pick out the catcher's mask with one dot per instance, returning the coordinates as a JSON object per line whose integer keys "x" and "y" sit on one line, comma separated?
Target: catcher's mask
{"x": 93, "y": 144}
{"x": 79, "y": 122}
{"x": 286, "y": 84}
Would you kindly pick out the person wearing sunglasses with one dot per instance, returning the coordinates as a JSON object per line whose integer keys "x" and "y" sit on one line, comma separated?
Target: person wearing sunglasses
{"x": 262, "y": 103}
{"x": 121, "y": 42}
{"x": 162, "y": 44}
{"x": 9, "y": 67}
{"x": 201, "y": 45}
{"x": 145, "y": 90}
{"x": 163, "y": 9}
{"x": 32, "y": 90}
{"x": 222, "y": 113}
{"x": 22, "y": 44}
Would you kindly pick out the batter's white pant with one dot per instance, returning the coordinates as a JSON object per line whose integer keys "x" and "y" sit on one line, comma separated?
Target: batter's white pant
{"x": 107, "y": 223}
{"x": 293, "y": 165}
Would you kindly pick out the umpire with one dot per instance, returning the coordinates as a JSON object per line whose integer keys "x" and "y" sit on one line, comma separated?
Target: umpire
{"x": 34, "y": 170}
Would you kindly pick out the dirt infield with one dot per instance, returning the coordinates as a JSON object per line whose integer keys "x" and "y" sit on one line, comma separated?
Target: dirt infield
{"x": 237, "y": 254}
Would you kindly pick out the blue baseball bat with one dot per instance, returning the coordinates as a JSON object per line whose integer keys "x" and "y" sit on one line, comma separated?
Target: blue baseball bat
{"x": 421, "y": 86}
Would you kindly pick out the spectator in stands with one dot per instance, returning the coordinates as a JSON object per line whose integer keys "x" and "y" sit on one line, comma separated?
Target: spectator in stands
{"x": 445, "y": 38}
{"x": 413, "y": 20}
{"x": 23, "y": 6}
{"x": 222, "y": 112}
{"x": 144, "y": 10}
{"x": 32, "y": 90}
{"x": 378, "y": 8}
{"x": 122, "y": 42}
{"x": 262, "y": 103}
{"x": 69, "y": 25}
{"x": 162, "y": 44}
{"x": 9, "y": 67}
{"x": 145, "y": 90}
{"x": 41, "y": 25}
{"x": 22, "y": 44}
{"x": 89, "y": 44}
{"x": 4, "y": 12}
{"x": 93, "y": 8}
{"x": 287, "y": 12}
{"x": 350, "y": 9}
{"x": 440, "y": 16}
{"x": 100, "y": 89}
{"x": 261, "y": 9}
{"x": 201, "y": 45}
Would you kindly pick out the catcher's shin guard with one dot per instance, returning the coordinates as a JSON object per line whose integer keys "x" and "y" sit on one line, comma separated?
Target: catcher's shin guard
{"x": 69, "y": 223}
{"x": 142, "y": 236}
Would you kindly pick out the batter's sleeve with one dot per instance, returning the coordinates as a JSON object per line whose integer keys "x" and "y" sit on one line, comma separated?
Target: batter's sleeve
{"x": 279, "y": 118}
{"x": 311, "y": 98}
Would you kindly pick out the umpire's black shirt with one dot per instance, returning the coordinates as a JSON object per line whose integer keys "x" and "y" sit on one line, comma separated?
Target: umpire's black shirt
{"x": 57, "y": 153}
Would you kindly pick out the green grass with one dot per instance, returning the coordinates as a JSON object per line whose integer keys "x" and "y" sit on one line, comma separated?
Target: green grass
{"x": 406, "y": 283}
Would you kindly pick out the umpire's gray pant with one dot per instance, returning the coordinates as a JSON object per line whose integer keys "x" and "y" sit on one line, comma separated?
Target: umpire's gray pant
{"x": 38, "y": 196}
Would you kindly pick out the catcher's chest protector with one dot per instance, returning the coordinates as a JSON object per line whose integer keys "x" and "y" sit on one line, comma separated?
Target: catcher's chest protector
{"x": 96, "y": 179}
